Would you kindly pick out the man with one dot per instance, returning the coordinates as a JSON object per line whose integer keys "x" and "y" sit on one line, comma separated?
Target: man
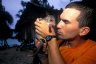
{"x": 76, "y": 23}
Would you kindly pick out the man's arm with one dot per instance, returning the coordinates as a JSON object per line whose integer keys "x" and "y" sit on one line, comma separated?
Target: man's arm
{"x": 54, "y": 55}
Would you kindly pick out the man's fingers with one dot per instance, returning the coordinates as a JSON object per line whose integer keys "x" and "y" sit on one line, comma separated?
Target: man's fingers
{"x": 39, "y": 30}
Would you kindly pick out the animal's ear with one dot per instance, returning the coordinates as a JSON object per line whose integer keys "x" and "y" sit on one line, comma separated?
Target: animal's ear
{"x": 84, "y": 31}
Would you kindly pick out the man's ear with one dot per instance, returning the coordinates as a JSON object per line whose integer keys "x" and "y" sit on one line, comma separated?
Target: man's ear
{"x": 84, "y": 31}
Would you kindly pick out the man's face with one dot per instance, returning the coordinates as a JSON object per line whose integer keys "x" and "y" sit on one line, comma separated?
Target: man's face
{"x": 68, "y": 27}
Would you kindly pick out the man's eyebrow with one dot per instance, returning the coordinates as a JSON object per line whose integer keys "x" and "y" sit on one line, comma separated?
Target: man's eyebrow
{"x": 64, "y": 20}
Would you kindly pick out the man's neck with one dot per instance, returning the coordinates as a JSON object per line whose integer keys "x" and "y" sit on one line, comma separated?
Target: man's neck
{"x": 74, "y": 43}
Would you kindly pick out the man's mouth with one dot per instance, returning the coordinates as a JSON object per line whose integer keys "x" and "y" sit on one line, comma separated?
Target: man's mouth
{"x": 58, "y": 32}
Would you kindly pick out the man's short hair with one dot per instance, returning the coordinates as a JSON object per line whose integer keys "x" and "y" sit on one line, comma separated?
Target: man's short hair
{"x": 87, "y": 16}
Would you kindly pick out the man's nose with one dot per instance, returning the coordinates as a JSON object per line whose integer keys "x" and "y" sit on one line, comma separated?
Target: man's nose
{"x": 59, "y": 24}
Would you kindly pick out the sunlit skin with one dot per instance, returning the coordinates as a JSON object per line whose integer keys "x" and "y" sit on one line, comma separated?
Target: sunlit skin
{"x": 42, "y": 28}
{"x": 68, "y": 27}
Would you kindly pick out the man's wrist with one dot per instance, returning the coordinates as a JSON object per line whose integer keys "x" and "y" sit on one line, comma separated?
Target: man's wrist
{"x": 49, "y": 37}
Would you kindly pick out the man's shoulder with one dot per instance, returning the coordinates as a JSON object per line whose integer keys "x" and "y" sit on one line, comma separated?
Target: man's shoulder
{"x": 92, "y": 46}
{"x": 91, "y": 42}
{"x": 89, "y": 52}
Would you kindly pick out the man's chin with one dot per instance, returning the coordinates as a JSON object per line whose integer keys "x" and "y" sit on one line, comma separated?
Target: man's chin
{"x": 60, "y": 37}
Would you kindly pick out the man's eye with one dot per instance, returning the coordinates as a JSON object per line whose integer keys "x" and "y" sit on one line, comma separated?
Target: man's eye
{"x": 66, "y": 22}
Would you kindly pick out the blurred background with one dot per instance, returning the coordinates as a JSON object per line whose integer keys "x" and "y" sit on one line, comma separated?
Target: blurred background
{"x": 15, "y": 9}
{"x": 17, "y": 33}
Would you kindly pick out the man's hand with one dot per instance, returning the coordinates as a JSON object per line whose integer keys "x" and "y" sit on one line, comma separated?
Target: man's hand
{"x": 42, "y": 28}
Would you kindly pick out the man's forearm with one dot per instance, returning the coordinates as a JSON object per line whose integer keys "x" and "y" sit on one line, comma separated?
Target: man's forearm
{"x": 54, "y": 53}
{"x": 49, "y": 58}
